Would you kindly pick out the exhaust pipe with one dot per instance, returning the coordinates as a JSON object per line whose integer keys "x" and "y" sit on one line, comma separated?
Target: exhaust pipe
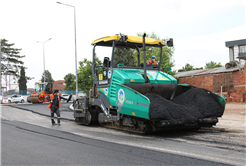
{"x": 144, "y": 57}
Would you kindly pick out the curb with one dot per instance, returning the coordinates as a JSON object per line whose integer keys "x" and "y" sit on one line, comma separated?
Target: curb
{"x": 71, "y": 107}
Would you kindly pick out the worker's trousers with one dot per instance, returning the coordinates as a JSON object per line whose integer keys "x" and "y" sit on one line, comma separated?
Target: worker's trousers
{"x": 53, "y": 110}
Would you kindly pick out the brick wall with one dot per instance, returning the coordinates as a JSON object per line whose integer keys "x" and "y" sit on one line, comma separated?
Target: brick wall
{"x": 205, "y": 82}
{"x": 234, "y": 84}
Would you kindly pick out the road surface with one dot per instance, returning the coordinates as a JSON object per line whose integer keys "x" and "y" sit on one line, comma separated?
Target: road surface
{"x": 29, "y": 139}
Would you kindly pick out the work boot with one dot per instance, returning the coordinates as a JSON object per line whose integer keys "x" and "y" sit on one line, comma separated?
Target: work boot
{"x": 53, "y": 122}
{"x": 58, "y": 122}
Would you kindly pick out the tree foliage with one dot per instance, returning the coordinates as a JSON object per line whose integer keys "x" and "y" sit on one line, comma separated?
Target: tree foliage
{"x": 22, "y": 81}
{"x": 212, "y": 64}
{"x": 198, "y": 68}
{"x": 208, "y": 65}
{"x": 11, "y": 60}
{"x": 189, "y": 67}
{"x": 69, "y": 79}
{"x": 123, "y": 56}
{"x": 85, "y": 78}
{"x": 48, "y": 77}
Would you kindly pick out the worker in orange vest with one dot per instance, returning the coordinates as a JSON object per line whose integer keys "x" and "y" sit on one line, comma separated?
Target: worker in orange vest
{"x": 152, "y": 61}
{"x": 54, "y": 105}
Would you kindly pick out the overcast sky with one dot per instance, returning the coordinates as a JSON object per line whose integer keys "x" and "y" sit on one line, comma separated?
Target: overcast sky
{"x": 199, "y": 29}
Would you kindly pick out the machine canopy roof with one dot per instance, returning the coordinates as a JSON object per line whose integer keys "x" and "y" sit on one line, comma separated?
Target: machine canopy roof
{"x": 131, "y": 41}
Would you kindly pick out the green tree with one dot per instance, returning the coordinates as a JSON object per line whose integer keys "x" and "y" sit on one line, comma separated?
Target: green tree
{"x": 198, "y": 68}
{"x": 10, "y": 59}
{"x": 48, "y": 77}
{"x": 69, "y": 79}
{"x": 187, "y": 67}
{"x": 85, "y": 78}
{"x": 167, "y": 53}
{"x": 123, "y": 56}
{"x": 22, "y": 81}
{"x": 212, "y": 64}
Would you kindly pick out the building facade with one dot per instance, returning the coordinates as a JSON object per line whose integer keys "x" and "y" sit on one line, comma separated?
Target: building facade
{"x": 237, "y": 50}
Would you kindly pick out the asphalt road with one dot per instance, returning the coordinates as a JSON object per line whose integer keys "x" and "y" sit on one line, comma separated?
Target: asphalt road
{"x": 25, "y": 144}
{"x": 30, "y": 139}
{"x": 42, "y": 109}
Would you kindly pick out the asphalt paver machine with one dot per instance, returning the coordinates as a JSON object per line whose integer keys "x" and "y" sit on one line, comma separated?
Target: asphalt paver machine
{"x": 140, "y": 97}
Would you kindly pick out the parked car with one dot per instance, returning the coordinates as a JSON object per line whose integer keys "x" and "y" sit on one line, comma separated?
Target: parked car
{"x": 16, "y": 99}
{"x": 65, "y": 96}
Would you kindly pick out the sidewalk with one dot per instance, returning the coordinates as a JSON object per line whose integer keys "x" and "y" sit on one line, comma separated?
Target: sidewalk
{"x": 234, "y": 118}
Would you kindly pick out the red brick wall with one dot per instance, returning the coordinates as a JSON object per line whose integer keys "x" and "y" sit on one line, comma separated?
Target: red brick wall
{"x": 205, "y": 82}
{"x": 233, "y": 83}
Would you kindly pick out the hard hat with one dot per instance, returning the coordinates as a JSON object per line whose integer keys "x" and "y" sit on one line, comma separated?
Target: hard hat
{"x": 153, "y": 57}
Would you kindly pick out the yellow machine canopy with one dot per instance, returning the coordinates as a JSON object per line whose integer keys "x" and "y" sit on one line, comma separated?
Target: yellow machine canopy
{"x": 127, "y": 41}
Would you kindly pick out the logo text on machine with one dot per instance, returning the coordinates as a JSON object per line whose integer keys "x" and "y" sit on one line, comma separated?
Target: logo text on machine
{"x": 129, "y": 102}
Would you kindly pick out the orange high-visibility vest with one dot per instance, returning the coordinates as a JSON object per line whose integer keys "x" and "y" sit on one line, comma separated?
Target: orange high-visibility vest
{"x": 151, "y": 62}
{"x": 51, "y": 98}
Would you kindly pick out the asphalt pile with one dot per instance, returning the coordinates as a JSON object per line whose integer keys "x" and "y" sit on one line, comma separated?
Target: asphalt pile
{"x": 192, "y": 105}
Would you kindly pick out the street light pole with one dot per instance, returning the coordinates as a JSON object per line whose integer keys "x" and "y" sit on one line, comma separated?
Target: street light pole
{"x": 44, "y": 55}
{"x": 75, "y": 46}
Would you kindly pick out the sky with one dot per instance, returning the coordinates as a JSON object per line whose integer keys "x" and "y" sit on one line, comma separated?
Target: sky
{"x": 199, "y": 29}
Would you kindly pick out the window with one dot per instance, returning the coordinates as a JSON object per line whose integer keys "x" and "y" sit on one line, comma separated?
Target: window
{"x": 40, "y": 87}
{"x": 242, "y": 51}
{"x": 127, "y": 57}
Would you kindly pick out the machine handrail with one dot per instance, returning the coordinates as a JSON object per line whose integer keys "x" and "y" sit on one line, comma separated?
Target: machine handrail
{"x": 169, "y": 68}
{"x": 120, "y": 65}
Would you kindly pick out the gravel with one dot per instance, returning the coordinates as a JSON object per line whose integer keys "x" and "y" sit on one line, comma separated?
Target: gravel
{"x": 190, "y": 106}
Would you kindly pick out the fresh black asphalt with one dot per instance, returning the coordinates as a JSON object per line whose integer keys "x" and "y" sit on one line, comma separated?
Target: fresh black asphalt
{"x": 56, "y": 137}
{"x": 42, "y": 109}
{"x": 26, "y": 144}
